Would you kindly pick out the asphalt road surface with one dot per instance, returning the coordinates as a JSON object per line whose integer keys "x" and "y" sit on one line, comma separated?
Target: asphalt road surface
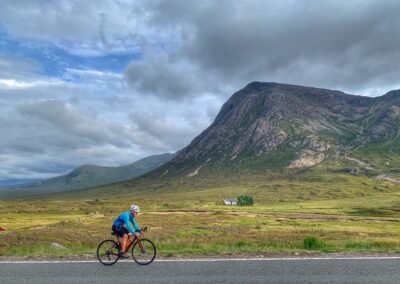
{"x": 343, "y": 270}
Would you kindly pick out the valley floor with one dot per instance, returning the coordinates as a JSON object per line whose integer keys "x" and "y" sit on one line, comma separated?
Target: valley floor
{"x": 182, "y": 227}
{"x": 323, "y": 210}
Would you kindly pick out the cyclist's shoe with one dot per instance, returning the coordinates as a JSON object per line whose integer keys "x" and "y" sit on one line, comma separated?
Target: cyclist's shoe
{"x": 122, "y": 255}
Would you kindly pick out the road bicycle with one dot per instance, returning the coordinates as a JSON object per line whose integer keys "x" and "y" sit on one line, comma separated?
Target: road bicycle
{"x": 143, "y": 250}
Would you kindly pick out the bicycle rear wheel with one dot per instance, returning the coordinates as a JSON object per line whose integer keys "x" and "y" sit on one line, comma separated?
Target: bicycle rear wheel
{"x": 144, "y": 252}
{"x": 108, "y": 252}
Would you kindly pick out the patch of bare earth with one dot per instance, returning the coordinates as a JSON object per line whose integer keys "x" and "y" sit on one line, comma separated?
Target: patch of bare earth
{"x": 388, "y": 178}
{"x": 307, "y": 159}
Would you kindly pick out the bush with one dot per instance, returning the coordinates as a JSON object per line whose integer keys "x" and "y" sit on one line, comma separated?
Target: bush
{"x": 241, "y": 243}
{"x": 244, "y": 200}
{"x": 312, "y": 243}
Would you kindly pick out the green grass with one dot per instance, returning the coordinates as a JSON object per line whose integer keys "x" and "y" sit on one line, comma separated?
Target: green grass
{"x": 186, "y": 215}
{"x": 312, "y": 243}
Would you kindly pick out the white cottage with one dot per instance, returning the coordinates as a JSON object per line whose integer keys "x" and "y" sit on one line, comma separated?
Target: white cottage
{"x": 230, "y": 201}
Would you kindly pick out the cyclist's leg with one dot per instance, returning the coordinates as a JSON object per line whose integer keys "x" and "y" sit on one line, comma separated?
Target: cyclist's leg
{"x": 123, "y": 242}
{"x": 123, "y": 233}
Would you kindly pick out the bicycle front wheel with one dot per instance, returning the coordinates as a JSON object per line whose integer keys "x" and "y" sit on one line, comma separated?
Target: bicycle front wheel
{"x": 108, "y": 252}
{"x": 144, "y": 252}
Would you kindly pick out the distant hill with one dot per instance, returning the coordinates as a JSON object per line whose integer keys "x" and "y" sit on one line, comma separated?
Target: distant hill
{"x": 88, "y": 176}
{"x": 13, "y": 182}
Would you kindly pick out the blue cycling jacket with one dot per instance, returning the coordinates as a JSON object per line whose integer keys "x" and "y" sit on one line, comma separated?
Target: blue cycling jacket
{"x": 126, "y": 219}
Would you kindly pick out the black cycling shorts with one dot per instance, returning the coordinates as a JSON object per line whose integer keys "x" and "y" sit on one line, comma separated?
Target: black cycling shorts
{"x": 120, "y": 230}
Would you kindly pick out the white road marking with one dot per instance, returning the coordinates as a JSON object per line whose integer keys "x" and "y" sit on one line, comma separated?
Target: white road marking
{"x": 206, "y": 259}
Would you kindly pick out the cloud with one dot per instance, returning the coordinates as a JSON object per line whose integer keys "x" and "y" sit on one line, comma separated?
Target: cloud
{"x": 17, "y": 67}
{"x": 51, "y": 136}
{"x": 168, "y": 129}
{"x": 189, "y": 47}
{"x": 296, "y": 42}
{"x": 50, "y": 125}
{"x": 159, "y": 132}
{"x": 64, "y": 103}
{"x": 90, "y": 73}
{"x": 12, "y": 84}
{"x": 64, "y": 117}
{"x": 81, "y": 28}
{"x": 48, "y": 129}
{"x": 164, "y": 77}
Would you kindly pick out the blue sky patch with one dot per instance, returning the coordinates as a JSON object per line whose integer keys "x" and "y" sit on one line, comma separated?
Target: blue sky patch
{"x": 55, "y": 60}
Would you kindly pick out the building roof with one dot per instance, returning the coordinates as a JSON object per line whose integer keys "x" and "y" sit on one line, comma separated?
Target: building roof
{"x": 231, "y": 199}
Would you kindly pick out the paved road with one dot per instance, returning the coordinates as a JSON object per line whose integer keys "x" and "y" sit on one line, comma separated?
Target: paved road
{"x": 383, "y": 270}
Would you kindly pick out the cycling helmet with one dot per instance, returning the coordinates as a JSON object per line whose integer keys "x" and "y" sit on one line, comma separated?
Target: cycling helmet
{"x": 134, "y": 208}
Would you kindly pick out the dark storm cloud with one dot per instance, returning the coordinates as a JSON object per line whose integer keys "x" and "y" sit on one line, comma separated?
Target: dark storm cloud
{"x": 335, "y": 44}
{"x": 68, "y": 125}
{"x": 162, "y": 133}
{"x": 160, "y": 75}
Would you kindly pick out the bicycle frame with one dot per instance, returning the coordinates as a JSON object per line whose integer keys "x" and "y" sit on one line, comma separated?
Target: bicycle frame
{"x": 130, "y": 243}
{"x": 109, "y": 251}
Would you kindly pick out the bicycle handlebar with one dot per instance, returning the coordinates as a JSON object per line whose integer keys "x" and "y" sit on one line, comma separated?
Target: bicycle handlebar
{"x": 142, "y": 230}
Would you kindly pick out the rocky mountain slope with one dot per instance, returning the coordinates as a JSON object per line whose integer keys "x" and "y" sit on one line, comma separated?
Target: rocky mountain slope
{"x": 275, "y": 126}
{"x": 88, "y": 176}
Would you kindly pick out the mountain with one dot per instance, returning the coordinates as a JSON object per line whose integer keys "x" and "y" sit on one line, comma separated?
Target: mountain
{"x": 88, "y": 176}
{"x": 11, "y": 182}
{"x": 280, "y": 126}
{"x": 272, "y": 131}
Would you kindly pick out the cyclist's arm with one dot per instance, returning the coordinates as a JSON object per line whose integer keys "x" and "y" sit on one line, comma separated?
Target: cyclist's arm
{"x": 135, "y": 224}
{"x": 128, "y": 224}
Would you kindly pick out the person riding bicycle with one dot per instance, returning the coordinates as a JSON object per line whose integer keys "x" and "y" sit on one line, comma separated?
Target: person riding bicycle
{"x": 123, "y": 228}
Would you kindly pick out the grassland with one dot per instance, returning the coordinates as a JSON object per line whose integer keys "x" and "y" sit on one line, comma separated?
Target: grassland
{"x": 186, "y": 215}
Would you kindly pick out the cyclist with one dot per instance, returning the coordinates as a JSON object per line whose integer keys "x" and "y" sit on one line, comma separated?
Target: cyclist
{"x": 122, "y": 226}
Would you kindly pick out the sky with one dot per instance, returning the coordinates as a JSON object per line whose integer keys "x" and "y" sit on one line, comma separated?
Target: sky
{"x": 110, "y": 82}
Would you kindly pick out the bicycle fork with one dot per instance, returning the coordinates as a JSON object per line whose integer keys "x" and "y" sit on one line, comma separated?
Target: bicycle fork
{"x": 142, "y": 248}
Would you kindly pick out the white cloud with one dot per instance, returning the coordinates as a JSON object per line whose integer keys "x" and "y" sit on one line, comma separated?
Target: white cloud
{"x": 83, "y": 28}
{"x": 12, "y": 84}
{"x": 92, "y": 73}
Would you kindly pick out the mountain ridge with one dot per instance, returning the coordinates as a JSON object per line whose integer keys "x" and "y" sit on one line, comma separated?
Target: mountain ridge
{"x": 86, "y": 176}
{"x": 312, "y": 122}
